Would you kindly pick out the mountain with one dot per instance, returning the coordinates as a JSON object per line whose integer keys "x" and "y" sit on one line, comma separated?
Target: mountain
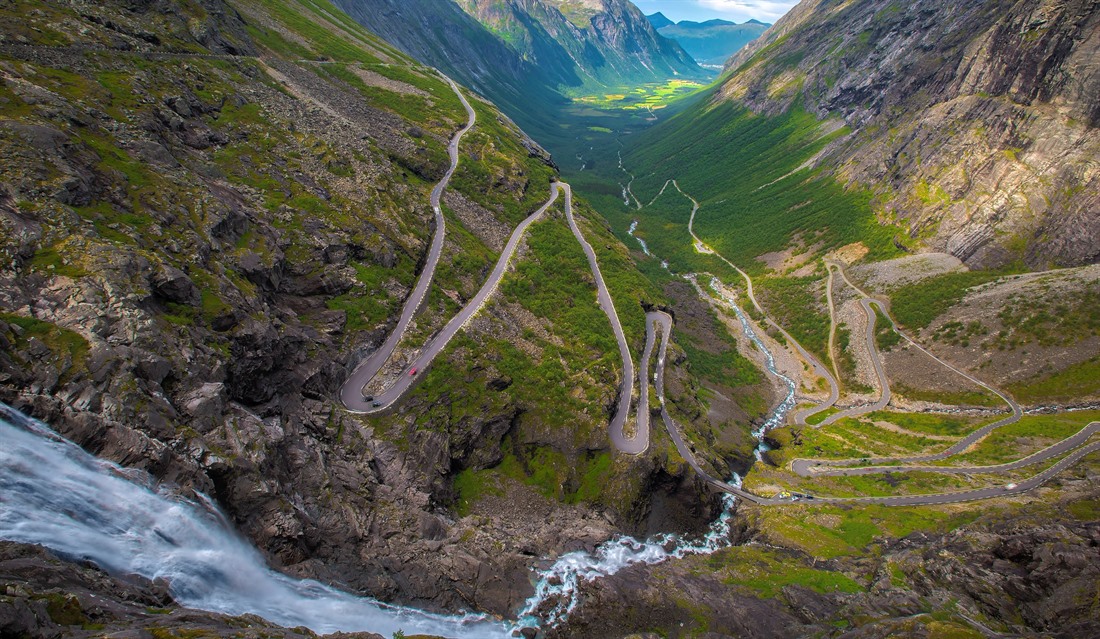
{"x": 523, "y": 53}
{"x": 972, "y": 132}
{"x": 440, "y": 33}
{"x": 712, "y": 42}
{"x": 658, "y": 20}
{"x": 607, "y": 42}
{"x": 981, "y": 140}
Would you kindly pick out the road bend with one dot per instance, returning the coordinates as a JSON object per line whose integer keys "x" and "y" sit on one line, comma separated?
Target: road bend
{"x": 804, "y": 466}
{"x": 639, "y": 442}
{"x": 876, "y": 362}
{"x": 1077, "y": 445}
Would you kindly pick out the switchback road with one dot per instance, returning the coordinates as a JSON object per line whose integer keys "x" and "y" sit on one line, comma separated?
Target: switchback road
{"x": 352, "y": 392}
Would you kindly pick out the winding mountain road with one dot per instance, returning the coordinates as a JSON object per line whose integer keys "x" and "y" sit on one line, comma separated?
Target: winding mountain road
{"x": 616, "y": 429}
{"x": 809, "y": 468}
{"x": 876, "y": 362}
{"x": 351, "y": 394}
{"x": 1074, "y": 447}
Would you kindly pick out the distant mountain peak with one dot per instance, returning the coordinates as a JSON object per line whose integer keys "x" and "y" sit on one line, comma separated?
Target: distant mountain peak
{"x": 659, "y": 20}
{"x": 755, "y": 21}
{"x": 712, "y": 42}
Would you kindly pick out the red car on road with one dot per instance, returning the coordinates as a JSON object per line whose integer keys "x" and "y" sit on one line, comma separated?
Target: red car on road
{"x": 412, "y": 372}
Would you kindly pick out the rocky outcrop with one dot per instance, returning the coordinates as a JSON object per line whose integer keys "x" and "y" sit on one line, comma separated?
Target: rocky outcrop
{"x": 1029, "y": 569}
{"x": 976, "y": 126}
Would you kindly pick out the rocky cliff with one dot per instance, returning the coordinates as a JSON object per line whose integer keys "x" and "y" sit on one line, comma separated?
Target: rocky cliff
{"x": 212, "y": 210}
{"x": 975, "y": 126}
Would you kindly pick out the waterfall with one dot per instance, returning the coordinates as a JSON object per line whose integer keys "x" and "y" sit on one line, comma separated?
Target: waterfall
{"x": 630, "y": 232}
{"x": 54, "y": 494}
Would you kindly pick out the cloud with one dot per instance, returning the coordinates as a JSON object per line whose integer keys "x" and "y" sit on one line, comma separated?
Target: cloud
{"x": 744, "y": 9}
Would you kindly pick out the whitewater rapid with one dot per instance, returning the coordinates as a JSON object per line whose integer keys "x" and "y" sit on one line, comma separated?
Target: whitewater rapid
{"x": 557, "y": 591}
{"x": 779, "y": 415}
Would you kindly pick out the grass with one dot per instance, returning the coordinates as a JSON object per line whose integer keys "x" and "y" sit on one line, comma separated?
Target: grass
{"x": 496, "y": 172}
{"x": 826, "y": 532}
{"x": 1049, "y": 322}
{"x": 1031, "y": 433}
{"x": 982, "y": 398}
{"x": 61, "y": 341}
{"x": 817, "y": 418}
{"x": 795, "y": 306}
{"x": 917, "y": 305}
{"x": 369, "y": 304}
{"x": 864, "y": 439}
{"x": 324, "y": 43}
{"x": 929, "y": 423}
{"x": 739, "y": 166}
{"x": 767, "y": 572}
{"x": 547, "y": 471}
{"x": 886, "y": 338}
{"x": 414, "y": 108}
{"x": 648, "y": 96}
{"x": 1069, "y": 384}
{"x": 881, "y": 441}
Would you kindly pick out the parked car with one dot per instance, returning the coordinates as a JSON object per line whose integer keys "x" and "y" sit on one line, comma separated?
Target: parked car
{"x": 1010, "y": 486}
{"x": 369, "y": 398}
{"x": 376, "y": 404}
{"x": 412, "y": 372}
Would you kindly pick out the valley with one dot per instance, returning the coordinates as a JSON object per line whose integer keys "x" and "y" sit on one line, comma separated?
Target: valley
{"x": 336, "y": 313}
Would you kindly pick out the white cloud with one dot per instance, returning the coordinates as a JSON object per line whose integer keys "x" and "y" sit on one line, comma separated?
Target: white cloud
{"x": 744, "y": 9}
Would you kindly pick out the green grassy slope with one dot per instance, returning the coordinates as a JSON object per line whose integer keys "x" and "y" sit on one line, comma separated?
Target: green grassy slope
{"x": 744, "y": 170}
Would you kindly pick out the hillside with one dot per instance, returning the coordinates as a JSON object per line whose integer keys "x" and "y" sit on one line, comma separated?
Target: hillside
{"x": 340, "y": 350}
{"x": 974, "y": 130}
{"x": 972, "y": 133}
{"x": 607, "y": 42}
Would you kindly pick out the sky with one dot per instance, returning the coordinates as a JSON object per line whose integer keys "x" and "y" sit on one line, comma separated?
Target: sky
{"x": 732, "y": 10}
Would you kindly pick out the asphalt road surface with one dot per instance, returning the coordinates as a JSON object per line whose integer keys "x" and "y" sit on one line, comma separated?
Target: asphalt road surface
{"x": 351, "y": 394}
{"x": 880, "y": 373}
{"x": 435, "y": 346}
{"x": 640, "y": 441}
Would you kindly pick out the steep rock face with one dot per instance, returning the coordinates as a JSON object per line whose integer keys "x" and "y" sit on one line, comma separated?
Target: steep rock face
{"x": 975, "y": 125}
